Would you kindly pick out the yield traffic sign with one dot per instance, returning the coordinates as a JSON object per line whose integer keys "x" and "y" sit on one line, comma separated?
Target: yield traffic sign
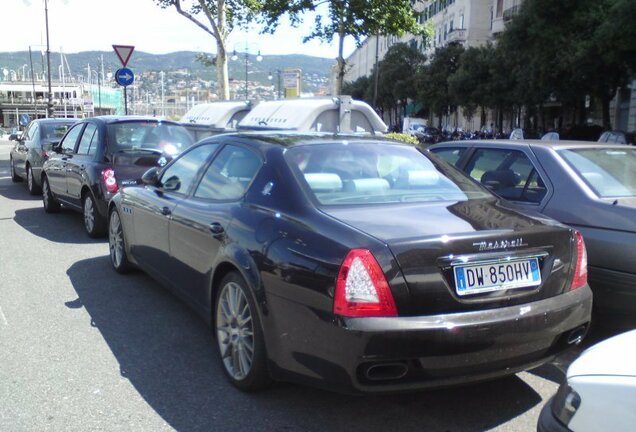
{"x": 123, "y": 52}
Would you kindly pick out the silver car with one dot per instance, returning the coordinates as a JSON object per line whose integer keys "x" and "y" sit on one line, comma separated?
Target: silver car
{"x": 589, "y": 186}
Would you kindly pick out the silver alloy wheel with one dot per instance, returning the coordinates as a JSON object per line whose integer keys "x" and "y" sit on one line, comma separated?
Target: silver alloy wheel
{"x": 30, "y": 178}
{"x": 235, "y": 333}
{"x": 89, "y": 214}
{"x": 115, "y": 240}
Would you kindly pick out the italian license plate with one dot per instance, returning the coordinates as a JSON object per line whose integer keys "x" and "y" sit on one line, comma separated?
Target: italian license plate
{"x": 496, "y": 276}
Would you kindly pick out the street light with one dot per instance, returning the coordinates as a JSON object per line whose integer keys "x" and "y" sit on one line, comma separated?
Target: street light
{"x": 259, "y": 58}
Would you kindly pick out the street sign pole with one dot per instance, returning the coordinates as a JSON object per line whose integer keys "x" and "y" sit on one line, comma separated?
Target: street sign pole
{"x": 125, "y": 101}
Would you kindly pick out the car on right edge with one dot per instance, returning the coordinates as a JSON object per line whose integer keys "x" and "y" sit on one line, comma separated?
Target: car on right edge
{"x": 599, "y": 393}
{"x": 588, "y": 186}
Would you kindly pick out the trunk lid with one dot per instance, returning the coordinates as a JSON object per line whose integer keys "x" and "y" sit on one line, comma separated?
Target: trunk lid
{"x": 429, "y": 240}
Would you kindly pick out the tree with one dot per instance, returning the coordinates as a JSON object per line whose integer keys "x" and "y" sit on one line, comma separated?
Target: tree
{"x": 355, "y": 18}
{"x": 360, "y": 89}
{"x": 221, "y": 16}
{"x": 396, "y": 78}
{"x": 433, "y": 80}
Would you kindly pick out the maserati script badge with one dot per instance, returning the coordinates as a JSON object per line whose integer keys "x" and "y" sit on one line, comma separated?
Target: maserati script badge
{"x": 499, "y": 244}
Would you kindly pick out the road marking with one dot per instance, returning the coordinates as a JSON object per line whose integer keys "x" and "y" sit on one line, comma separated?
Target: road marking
{"x": 3, "y": 178}
{"x": 3, "y": 318}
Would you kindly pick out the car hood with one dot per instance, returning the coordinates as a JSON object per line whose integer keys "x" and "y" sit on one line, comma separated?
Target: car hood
{"x": 615, "y": 356}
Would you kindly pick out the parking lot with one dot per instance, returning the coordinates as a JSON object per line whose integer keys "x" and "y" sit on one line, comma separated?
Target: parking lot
{"x": 84, "y": 348}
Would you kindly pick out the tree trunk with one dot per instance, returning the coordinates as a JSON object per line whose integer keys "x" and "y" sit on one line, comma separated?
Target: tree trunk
{"x": 605, "y": 102}
{"x": 341, "y": 61}
{"x": 223, "y": 83}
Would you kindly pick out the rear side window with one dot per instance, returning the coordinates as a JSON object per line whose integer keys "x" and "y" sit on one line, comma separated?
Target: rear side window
{"x": 179, "y": 176}
{"x": 169, "y": 138}
{"x": 69, "y": 141}
{"x": 229, "y": 175}
{"x": 375, "y": 173}
{"x": 508, "y": 173}
{"x": 88, "y": 143}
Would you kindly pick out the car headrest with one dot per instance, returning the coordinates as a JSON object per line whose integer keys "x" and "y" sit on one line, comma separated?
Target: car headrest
{"x": 323, "y": 182}
{"x": 500, "y": 178}
{"x": 419, "y": 178}
{"x": 377, "y": 185}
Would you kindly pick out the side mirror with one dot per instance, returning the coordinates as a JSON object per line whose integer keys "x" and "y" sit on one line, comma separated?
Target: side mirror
{"x": 57, "y": 147}
{"x": 13, "y": 137}
{"x": 151, "y": 177}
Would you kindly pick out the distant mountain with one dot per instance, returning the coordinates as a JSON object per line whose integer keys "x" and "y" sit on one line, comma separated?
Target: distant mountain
{"x": 141, "y": 62}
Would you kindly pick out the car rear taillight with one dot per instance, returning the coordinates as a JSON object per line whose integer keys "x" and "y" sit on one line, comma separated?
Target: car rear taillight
{"x": 108, "y": 177}
{"x": 45, "y": 154}
{"x": 580, "y": 271}
{"x": 361, "y": 288}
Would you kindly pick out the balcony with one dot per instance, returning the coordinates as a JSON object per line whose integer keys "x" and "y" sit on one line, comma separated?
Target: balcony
{"x": 457, "y": 35}
{"x": 510, "y": 12}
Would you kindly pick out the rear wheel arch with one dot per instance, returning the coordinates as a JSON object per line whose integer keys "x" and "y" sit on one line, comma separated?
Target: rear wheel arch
{"x": 226, "y": 267}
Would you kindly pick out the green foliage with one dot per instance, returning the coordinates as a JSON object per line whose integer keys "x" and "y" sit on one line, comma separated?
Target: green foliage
{"x": 360, "y": 89}
{"x": 397, "y": 71}
{"x": 433, "y": 80}
{"x": 402, "y": 137}
{"x": 354, "y": 18}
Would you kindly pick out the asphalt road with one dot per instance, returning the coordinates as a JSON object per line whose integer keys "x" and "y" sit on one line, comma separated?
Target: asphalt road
{"x": 83, "y": 348}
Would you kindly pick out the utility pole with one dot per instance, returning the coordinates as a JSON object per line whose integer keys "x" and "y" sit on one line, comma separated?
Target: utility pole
{"x": 48, "y": 60}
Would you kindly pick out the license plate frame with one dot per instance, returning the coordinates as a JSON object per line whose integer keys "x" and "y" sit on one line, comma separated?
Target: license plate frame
{"x": 467, "y": 276}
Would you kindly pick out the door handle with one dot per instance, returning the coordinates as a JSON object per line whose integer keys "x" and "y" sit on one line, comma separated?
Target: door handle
{"x": 166, "y": 211}
{"x": 216, "y": 228}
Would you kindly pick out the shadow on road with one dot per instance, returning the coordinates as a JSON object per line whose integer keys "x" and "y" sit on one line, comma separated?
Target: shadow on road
{"x": 64, "y": 227}
{"x": 14, "y": 191}
{"x": 167, "y": 353}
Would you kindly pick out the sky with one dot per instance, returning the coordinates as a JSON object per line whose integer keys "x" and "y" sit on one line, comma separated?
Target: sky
{"x": 86, "y": 25}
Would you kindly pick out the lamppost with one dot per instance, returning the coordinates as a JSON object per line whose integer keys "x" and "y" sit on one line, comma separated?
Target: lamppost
{"x": 259, "y": 58}
{"x": 271, "y": 76}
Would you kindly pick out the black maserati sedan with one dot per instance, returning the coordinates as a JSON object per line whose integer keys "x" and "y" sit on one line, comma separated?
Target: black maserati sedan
{"x": 99, "y": 155}
{"x": 33, "y": 147}
{"x": 352, "y": 263}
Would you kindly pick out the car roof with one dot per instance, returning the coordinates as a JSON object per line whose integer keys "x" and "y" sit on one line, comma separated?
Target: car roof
{"x": 109, "y": 119}
{"x": 556, "y": 145}
{"x": 294, "y": 138}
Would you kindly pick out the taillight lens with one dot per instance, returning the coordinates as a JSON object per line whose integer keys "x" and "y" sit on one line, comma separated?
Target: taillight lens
{"x": 580, "y": 271}
{"x": 110, "y": 182}
{"x": 45, "y": 154}
{"x": 361, "y": 288}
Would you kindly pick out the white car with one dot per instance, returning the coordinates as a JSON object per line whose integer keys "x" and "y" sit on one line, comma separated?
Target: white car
{"x": 600, "y": 391}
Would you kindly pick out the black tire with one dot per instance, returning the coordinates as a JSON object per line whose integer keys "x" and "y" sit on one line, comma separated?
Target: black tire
{"x": 117, "y": 243}
{"x": 236, "y": 331}
{"x": 34, "y": 189}
{"x": 50, "y": 203}
{"x": 14, "y": 177}
{"x": 94, "y": 223}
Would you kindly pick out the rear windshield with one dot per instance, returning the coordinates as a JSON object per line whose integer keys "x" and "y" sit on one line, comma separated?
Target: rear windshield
{"x": 170, "y": 138}
{"x": 374, "y": 172}
{"x": 610, "y": 173}
{"x": 54, "y": 131}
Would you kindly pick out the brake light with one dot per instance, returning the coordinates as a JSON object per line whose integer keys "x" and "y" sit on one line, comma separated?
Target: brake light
{"x": 580, "y": 271}
{"x": 110, "y": 182}
{"x": 361, "y": 288}
{"x": 45, "y": 154}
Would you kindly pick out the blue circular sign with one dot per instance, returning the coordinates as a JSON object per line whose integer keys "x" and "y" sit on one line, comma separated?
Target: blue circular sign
{"x": 124, "y": 77}
{"x": 24, "y": 119}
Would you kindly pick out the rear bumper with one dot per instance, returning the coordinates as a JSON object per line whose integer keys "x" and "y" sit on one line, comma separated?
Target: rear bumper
{"x": 547, "y": 422}
{"x": 409, "y": 353}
